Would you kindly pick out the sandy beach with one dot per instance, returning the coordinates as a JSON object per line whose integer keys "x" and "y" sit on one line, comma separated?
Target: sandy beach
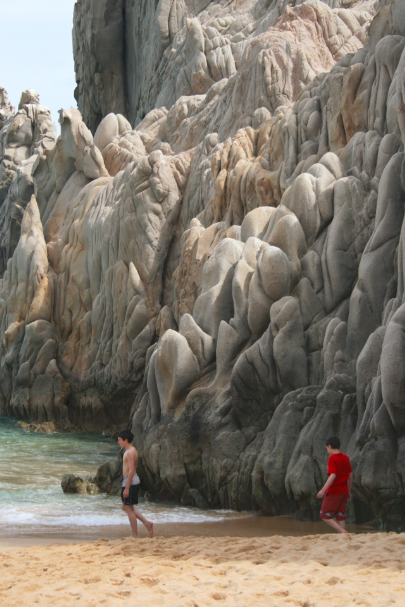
{"x": 194, "y": 571}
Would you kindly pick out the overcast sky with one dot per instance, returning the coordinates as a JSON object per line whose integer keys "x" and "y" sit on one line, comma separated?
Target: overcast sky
{"x": 36, "y": 51}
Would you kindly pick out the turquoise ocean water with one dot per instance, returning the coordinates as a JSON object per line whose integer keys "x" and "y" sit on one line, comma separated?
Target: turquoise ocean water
{"x": 31, "y": 498}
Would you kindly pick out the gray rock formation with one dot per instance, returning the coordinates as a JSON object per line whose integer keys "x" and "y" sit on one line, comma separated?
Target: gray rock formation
{"x": 176, "y": 48}
{"x": 217, "y": 251}
{"x": 74, "y": 484}
{"x": 109, "y": 476}
{"x": 25, "y": 137}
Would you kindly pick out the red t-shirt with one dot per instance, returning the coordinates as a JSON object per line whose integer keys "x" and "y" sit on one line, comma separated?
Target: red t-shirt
{"x": 339, "y": 464}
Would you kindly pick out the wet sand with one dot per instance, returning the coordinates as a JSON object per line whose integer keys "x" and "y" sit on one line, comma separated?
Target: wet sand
{"x": 324, "y": 570}
{"x": 245, "y": 526}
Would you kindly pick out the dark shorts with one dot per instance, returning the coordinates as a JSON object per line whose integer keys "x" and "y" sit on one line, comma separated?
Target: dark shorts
{"x": 334, "y": 505}
{"x": 132, "y": 499}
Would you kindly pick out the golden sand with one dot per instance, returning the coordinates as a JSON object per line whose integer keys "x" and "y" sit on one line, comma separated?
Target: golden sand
{"x": 312, "y": 571}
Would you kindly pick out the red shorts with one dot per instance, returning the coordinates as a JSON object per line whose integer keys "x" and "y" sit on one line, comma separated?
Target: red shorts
{"x": 334, "y": 505}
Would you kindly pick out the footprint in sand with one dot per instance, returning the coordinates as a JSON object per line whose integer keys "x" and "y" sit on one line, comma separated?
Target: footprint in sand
{"x": 218, "y": 596}
{"x": 333, "y": 581}
{"x": 150, "y": 582}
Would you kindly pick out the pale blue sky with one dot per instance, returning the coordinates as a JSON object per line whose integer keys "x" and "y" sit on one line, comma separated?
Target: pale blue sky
{"x": 36, "y": 51}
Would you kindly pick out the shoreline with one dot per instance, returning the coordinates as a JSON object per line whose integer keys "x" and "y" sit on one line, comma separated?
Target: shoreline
{"x": 251, "y": 526}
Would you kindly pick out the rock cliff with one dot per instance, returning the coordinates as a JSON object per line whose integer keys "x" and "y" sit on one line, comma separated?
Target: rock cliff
{"x": 214, "y": 247}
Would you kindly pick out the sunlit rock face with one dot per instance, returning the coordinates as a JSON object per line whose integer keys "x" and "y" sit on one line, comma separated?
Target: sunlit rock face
{"x": 265, "y": 50}
{"x": 25, "y": 136}
{"x": 212, "y": 251}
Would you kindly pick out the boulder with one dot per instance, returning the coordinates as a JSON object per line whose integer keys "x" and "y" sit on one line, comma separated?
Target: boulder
{"x": 74, "y": 484}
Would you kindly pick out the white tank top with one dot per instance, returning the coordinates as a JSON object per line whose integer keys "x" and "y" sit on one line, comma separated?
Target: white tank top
{"x": 135, "y": 480}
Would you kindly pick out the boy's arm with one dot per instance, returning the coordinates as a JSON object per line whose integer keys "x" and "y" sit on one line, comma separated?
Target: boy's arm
{"x": 326, "y": 486}
{"x": 349, "y": 485}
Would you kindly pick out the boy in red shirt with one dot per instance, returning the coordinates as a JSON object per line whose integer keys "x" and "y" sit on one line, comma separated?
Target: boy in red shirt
{"x": 337, "y": 487}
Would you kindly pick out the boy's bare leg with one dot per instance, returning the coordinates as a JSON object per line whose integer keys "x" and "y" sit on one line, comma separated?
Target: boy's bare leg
{"x": 132, "y": 519}
{"x": 342, "y": 524}
{"x": 148, "y": 524}
{"x": 332, "y": 523}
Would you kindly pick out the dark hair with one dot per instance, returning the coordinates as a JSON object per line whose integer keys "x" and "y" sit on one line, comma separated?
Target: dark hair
{"x": 334, "y": 442}
{"x": 126, "y": 435}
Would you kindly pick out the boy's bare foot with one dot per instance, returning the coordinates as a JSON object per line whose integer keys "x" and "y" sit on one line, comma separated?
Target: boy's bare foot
{"x": 150, "y": 528}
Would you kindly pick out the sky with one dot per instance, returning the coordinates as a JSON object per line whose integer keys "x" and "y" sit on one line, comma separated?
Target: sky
{"x": 36, "y": 51}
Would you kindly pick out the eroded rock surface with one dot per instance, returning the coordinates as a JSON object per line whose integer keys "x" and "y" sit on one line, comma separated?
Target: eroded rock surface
{"x": 216, "y": 250}
{"x": 75, "y": 484}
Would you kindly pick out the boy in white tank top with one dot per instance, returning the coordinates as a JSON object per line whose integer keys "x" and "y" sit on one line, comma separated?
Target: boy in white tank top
{"x": 131, "y": 483}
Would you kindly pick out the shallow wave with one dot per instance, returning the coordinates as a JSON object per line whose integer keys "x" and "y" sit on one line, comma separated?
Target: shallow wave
{"x": 174, "y": 514}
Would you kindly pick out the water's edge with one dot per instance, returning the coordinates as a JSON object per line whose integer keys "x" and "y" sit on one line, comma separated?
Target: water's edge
{"x": 32, "y": 502}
